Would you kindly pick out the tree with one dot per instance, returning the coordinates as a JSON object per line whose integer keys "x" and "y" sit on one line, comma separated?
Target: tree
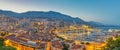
{"x": 2, "y": 47}
{"x": 87, "y": 43}
{"x": 1, "y": 42}
{"x": 7, "y": 48}
{"x": 82, "y": 42}
{"x": 2, "y": 34}
{"x": 65, "y": 46}
{"x": 113, "y": 44}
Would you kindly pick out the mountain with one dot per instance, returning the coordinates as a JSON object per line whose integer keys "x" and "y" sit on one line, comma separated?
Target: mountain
{"x": 47, "y": 15}
{"x": 96, "y": 24}
{"x": 50, "y": 15}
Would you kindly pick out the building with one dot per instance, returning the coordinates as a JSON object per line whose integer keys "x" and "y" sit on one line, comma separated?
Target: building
{"x": 21, "y": 43}
{"x": 56, "y": 45}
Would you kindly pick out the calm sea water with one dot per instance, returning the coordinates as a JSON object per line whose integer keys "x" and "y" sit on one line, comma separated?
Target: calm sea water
{"x": 106, "y": 28}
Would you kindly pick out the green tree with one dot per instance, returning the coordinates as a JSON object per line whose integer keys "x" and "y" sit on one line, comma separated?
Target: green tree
{"x": 87, "y": 43}
{"x": 2, "y": 47}
{"x": 2, "y": 34}
{"x": 65, "y": 46}
{"x": 113, "y": 44}
{"x": 82, "y": 43}
{"x": 1, "y": 42}
{"x": 7, "y": 48}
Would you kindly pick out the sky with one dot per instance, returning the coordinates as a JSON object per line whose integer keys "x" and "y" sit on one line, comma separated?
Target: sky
{"x": 103, "y": 11}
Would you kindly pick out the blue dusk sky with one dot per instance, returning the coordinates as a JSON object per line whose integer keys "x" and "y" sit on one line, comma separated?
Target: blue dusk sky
{"x": 103, "y": 11}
